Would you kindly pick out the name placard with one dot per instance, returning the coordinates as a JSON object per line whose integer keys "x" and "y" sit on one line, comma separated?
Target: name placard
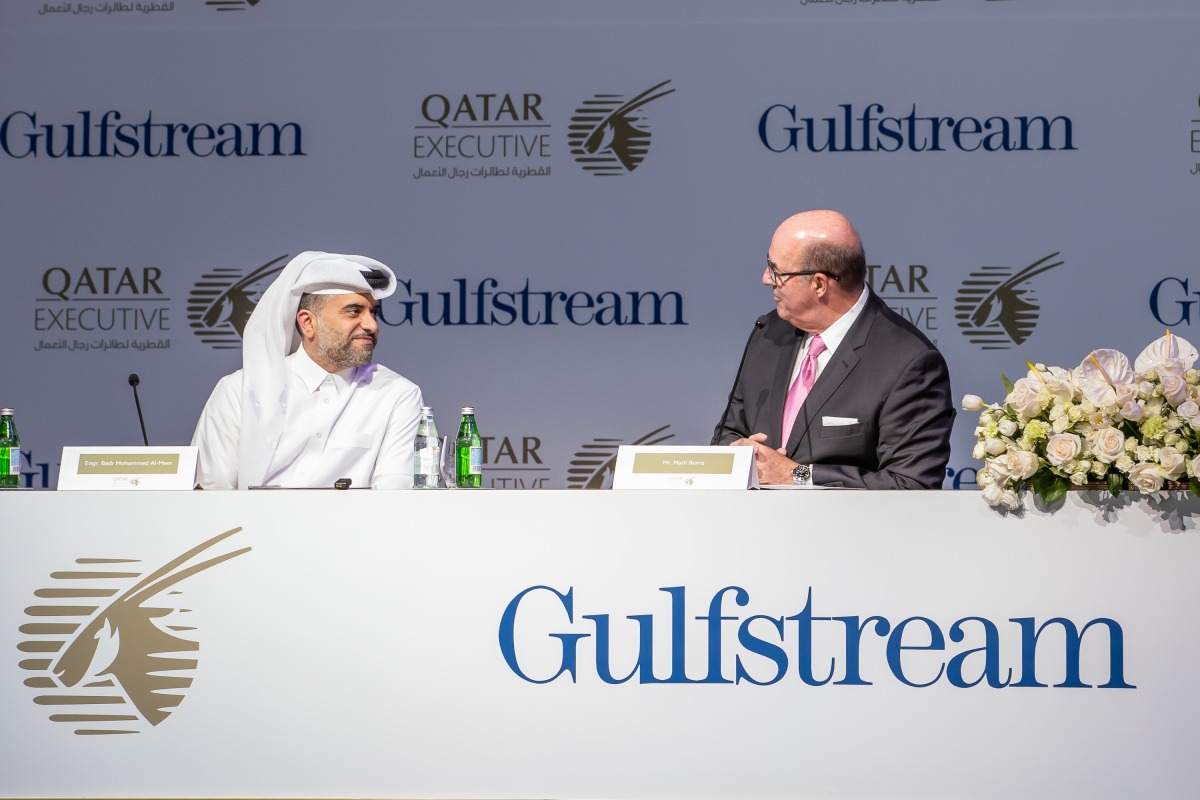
{"x": 685, "y": 467}
{"x": 132, "y": 468}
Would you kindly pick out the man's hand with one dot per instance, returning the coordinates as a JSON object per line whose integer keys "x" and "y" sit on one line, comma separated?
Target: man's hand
{"x": 773, "y": 465}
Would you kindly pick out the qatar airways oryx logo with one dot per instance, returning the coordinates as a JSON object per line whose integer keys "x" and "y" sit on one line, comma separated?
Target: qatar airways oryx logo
{"x": 595, "y": 462}
{"x": 223, "y": 299}
{"x": 610, "y": 133}
{"x": 998, "y": 307}
{"x": 110, "y": 646}
{"x": 544, "y": 637}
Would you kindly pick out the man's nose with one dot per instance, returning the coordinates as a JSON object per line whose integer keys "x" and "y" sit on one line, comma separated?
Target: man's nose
{"x": 766, "y": 277}
{"x": 370, "y": 323}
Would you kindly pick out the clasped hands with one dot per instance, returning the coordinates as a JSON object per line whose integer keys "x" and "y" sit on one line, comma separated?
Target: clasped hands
{"x": 773, "y": 465}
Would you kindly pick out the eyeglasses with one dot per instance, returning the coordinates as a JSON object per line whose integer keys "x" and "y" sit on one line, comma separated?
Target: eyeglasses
{"x": 776, "y": 274}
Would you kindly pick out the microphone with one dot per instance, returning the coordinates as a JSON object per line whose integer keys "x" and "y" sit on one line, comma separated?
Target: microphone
{"x": 134, "y": 380}
{"x": 759, "y": 324}
{"x": 342, "y": 483}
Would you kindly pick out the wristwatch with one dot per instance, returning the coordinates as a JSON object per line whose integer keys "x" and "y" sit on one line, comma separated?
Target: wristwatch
{"x": 801, "y": 475}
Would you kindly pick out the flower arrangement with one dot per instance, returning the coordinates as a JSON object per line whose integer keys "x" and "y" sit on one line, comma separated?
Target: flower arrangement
{"x": 1104, "y": 421}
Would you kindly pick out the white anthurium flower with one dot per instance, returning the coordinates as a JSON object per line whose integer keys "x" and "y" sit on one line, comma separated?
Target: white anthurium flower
{"x": 1101, "y": 373}
{"x": 1170, "y": 354}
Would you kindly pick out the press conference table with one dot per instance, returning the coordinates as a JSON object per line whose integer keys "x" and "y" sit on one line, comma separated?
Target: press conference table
{"x": 578, "y": 644}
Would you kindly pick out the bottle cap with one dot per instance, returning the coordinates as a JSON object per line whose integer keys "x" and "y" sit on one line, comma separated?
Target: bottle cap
{"x": 468, "y": 410}
{"x": 7, "y": 411}
{"x": 426, "y": 410}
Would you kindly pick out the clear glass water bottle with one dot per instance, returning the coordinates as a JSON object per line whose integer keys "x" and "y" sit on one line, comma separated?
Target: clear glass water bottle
{"x": 10, "y": 451}
{"x": 469, "y": 452}
{"x": 426, "y": 452}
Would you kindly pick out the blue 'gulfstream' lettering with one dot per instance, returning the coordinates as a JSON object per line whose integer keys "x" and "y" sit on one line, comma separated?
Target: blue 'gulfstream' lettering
{"x": 22, "y": 136}
{"x": 768, "y": 648}
{"x": 781, "y": 129}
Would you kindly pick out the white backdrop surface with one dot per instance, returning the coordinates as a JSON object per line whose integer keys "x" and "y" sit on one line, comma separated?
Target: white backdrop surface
{"x": 354, "y": 645}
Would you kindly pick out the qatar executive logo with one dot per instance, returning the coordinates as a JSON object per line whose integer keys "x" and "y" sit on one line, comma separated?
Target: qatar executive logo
{"x": 609, "y": 134}
{"x": 595, "y": 463}
{"x": 109, "y": 648}
{"x": 997, "y": 308}
{"x": 222, "y": 300}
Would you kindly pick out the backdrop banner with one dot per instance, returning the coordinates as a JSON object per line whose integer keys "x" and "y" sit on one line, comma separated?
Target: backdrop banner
{"x": 577, "y": 201}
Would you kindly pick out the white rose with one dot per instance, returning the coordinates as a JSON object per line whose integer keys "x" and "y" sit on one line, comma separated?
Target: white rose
{"x": 1061, "y": 425}
{"x": 993, "y": 494}
{"x": 972, "y": 402}
{"x": 1131, "y": 411}
{"x": 1171, "y": 462}
{"x": 985, "y": 477}
{"x": 1062, "y": 447}
{"x": 995, "y": 447}
{"x": 1145, "y": 478}
{"x": 1108, "y": 444}
{"x": 1007, "y": 427}
{"x": 979, "y": 451}
{"x": 1124, "y": 464}
{"x": 1024, "y": 399}
{"x": 1174, "y": 389}
{"x": 1079, "y": 478}
{"x": 1193, "y": 467}
{"x": 1010, "y": 500}
{"x": 1189, "y": 410}
{"x": 1021, "y": 464}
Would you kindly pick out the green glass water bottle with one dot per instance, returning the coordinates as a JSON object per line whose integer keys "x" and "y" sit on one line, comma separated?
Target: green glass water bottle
{"x": 468, "y": 462}
{"x": 10, "y": 451}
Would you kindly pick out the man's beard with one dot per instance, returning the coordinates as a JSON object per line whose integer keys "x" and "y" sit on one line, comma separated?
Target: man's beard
{"x": 342, "y": 353}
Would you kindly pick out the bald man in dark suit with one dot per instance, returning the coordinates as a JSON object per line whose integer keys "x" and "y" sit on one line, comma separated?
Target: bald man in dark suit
{"x": 835, "y": 388}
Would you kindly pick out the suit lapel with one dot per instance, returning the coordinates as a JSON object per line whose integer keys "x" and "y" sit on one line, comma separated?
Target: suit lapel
{"x": 843, "y": 362}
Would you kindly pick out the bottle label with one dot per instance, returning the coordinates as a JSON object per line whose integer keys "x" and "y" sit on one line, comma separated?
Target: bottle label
{"x": 14, "y": 461}
{"x": 476, "y": 461}
{"x": 425, "y": 461}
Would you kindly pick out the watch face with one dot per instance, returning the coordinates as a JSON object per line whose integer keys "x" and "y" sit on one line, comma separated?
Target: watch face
{"x": 801, "y": 474}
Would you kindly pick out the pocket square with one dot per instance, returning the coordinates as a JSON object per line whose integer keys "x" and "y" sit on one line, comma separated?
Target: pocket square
{"x": 832, "y": 422}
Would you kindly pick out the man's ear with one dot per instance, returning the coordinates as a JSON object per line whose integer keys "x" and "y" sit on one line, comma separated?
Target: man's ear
{"x": 307, "y": 323}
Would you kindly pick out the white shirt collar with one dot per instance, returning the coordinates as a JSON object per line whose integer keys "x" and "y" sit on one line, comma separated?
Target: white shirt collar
{"x": 833, "y": 335}
{"x": 312, "y": 374}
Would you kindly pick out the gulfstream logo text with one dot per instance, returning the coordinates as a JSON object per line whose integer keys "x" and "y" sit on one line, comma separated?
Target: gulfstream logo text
{"x": 818, "y": 649}
{"x": 486, "y": 303}
{"x": 781, "y": 128}
{"x": 21, "y": 136}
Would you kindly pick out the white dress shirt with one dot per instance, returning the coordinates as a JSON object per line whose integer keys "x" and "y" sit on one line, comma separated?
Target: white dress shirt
{"x": 359, "y": 423}
{"x": 831, "y": 336}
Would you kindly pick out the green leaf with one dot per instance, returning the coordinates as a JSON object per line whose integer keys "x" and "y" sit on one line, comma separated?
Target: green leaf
{"x": 1194, "y": 485}
{"x": 1115, "y": 481}
{"x": 1008, "y": 385}
{"x": 1048, "y": 486}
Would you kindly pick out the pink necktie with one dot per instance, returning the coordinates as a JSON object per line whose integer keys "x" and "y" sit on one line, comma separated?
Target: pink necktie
{"x": 801, "y": 386}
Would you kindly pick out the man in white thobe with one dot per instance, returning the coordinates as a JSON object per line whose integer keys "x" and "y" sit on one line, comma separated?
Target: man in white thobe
{"x": 308, "y": 407}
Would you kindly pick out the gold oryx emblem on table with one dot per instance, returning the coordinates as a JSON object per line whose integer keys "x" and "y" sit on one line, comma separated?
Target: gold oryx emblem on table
{"x": 110, "y": 646}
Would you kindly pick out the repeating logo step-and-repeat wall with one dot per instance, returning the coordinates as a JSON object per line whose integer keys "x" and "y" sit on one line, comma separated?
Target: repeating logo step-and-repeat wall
{"x": 577, "y": 201}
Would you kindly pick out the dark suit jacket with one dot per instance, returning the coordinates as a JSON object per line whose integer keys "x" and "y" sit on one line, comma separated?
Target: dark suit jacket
{"x": 886, "y": 382}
